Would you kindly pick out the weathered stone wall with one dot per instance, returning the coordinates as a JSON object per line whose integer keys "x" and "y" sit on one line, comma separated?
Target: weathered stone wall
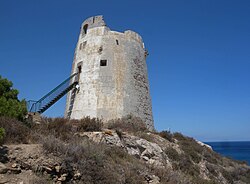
{"x": 117, "y": 89}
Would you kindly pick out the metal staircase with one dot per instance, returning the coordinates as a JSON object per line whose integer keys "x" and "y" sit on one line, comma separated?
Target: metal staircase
{"x": 54, "y": 95}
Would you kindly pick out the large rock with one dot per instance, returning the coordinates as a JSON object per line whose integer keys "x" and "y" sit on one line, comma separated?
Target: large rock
{"x": 147, "y": 151}
{"x": 3, "y": 168}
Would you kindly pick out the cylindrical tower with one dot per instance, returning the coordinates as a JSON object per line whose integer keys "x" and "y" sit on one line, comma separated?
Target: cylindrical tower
{"x": 113, "y": 79}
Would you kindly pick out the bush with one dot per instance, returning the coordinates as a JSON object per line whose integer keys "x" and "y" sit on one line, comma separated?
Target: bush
{"x": 227, "y": 175}
{"x": 198, "y": 180}
{"x": 2, "y": 134}
{"x": 179, "y": 136}
{"x": 188, "y": 167}
{"x": 172, "y": 154}
{"x": 168, "y": 175}
{"x": 15, "y": 131}
{"x": 166, "y": 135}
{"x": 245, "y": 175}
{"x": 211, "y": 156}
{"x": 211, "y": 168}
{"x": 64, "y": 129}
{"x": 97, "y": 163}
{"x": 128, "y": 124}
{"x": 89, "y": 124}
{"x": 145, "y": 135}
{"x": 10, "y": 105}
{"x": 190, "y": 147}
{"x": 58, "y": 127}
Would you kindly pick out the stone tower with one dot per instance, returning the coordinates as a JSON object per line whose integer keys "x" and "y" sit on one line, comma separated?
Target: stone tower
{"x": 113, "y": 80}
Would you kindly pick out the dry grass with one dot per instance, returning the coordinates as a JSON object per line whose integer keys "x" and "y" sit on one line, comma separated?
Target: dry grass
{"x": 15, "y": 131}
{"x": 128, "y": 124}
{"x": 64, "y": 129}
{"x": 103, "y": 164}
{"x": 97, "y": 163}
{"x": 166, "y": 135}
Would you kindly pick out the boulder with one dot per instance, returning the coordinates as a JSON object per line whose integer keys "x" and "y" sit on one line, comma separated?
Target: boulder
{"x": 140, "y": 148}
{"x": 3, "y": 168}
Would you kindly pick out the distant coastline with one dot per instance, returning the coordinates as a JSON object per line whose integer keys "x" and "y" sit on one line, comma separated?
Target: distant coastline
{"x": 238, "y": 150}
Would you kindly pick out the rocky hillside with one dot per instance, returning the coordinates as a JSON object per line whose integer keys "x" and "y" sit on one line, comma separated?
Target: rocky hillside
{"x": 122, "y": 152}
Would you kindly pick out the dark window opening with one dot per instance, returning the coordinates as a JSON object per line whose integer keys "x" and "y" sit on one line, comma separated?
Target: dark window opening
{"x": 85, "y": 28}
{"x": 79, "y": 69}
{"x": 117, "y": 42}
{"x": 103, "y": 62}
{"x": 80, "y": 46}
{"x": 93, "y": 19}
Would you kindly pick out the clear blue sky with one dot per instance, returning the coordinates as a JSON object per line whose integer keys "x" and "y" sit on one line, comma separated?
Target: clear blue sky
{"x": 198, "y": 64}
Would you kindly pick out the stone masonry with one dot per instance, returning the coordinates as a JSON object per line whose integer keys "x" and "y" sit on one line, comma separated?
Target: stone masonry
{"x": 113, "y": 80}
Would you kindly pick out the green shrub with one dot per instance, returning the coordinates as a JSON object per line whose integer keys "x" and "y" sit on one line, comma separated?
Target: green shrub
{"x": 10, "y": 105}
{"x": 2, "y": 135}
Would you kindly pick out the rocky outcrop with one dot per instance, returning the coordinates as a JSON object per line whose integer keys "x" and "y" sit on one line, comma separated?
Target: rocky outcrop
{"x": 25, "y": 160}
{"x": 203, "y": 144}
{"x": 23, "y": 163}
{"x": 149, "y": 152}
{"x": 3, "y": 168}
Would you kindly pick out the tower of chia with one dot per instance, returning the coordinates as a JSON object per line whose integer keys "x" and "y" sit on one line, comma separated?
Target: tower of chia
{"x": 113, "y": 79}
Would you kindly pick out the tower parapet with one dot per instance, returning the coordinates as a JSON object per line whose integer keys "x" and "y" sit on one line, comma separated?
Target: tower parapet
{"x": 113, "y": 76}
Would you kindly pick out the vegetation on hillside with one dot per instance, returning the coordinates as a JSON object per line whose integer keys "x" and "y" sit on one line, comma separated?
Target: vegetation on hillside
{"x": 101, "y": 163}
{"x": 2, "y": 135}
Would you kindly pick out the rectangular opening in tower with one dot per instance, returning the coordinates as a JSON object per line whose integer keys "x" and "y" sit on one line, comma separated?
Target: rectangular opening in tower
{"x": 103, "y": 62}
{"x": 79, "y": 69}
{"x": 117, "y": 42}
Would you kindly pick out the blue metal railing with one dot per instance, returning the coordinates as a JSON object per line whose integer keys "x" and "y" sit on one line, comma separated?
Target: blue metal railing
{"x": 46, "y": 101}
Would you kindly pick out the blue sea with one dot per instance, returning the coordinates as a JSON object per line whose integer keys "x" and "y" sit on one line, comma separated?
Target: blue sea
{"x": 235, "y": 150}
